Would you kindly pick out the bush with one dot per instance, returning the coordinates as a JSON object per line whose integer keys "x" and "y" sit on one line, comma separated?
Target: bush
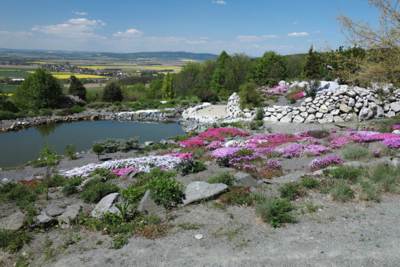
{"x": 346, "y": 173}
{"x": 98, "y": 149}
{"x": 104, "y": 174}
{"x": 275, "y": 211}
{"x": 76, "y": 88}
{"x": 7, "y": 115}
{"x": 70, "y": 152}
{"x": 259, "y": 114}
{"x": 112, "y": 92}
{"x": 165, "y": 190}
{"x": 291, "y": 191}
{"x": 369, "y": 191}
{"x": 71, "y": 186}
{"x": 13, "y": 240}
{"x": 355, "y": 152}
{"x": 250, "y": 97}
{"x": 270, "y": 69}
{"x": 47, "y": 157}
{"x": 21, "y": 194}
{"x": 55, "y": 181}
{"x": 223, "y": 178}
{"x": 96, "y": 189}
{"x": 133, "y": 194}
{"x": 191, "y": 166}
{"x": 341, "y": 191}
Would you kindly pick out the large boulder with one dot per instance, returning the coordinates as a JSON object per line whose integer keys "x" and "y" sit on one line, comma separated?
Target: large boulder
{"x": 197, "y": 191}
{"x": 13, "y": 222}
{"x": 105, "y": 205}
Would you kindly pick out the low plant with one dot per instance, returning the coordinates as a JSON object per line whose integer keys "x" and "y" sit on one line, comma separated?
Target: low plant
{"x": 291, "y": 191}
{"x": 47, "y": 158}
{"x": 13, "y": 241}
{"x": 22, "y": 194}
{"x": 319, "y": 134}
{"x": 55, "y": 181}
{"x": 191, "y": 166}
{"x": 104, "y": 174}
{"x": 369, "y": 191}
{"x": 346, "y": 173}
{"x": 355, "y": 152}
{"x": 166, "y": 191}
{"x": 275, "y": 211}
{"x": 240, "y": 196}
{"x": 341, "y": 191}
{"x": 222, "y": 178}
{"x": 98, "y": 149}
{"x": 96, "y": 189}
{"x": 70, "y": 152}
{"x": 386, "y": 176}
{"x": 71, "y": 186}
{"x": 309, "y": 182}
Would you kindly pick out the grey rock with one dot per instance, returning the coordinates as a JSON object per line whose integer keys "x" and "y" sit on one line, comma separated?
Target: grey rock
{"x": 196, "y": 191}
{"x": 298, "y": 119}
{"x": 149, "y": 207}
{"x": 70, "y": 214}
{"x": 344, "y": 108}
{"x": 106, "y": 204}
{"x": 245, "y": 179}
{"x": 13, "y": 222}
{"x": 54, "y": 210}
{"x": 395, "y": 107}
{"x": 43, "y": 218}
{"x": 287, "y": 119}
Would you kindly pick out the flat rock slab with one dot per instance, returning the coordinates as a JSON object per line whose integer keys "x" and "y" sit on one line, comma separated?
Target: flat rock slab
{"x": 69, "y": 215}
{"x": 106, "y": 204}
{"x": 245, "y": 179}
{"x": 13, "y": 222}
{"x": 54, "y": 210}
{"x": 197, "y": 191}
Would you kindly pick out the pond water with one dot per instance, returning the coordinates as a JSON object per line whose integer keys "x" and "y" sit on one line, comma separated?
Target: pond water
{"x": 17, "y": 148}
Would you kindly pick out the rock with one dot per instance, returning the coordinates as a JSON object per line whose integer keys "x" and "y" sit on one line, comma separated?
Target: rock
{"x": 344, "y": 108}
{"x": 106, "y": 204}
{"x": 286, "y": 119}
{"x": 13, "y": 222}
{"x": 149, "y": 207}
{"x": 323, "y": 109}
{"x": 365, "y": 114}
{"x": 351, "y": 102}
{"x": 298, "y": 119}
{"x": 337, "y": 119}
{"x": 319, "y": 115}
{"x": 245, "y": 179}
{"x": 70, "y": 214}
{"x": 310, "y": 118}
{"x": 395, "y": 107}
{"x": 54, "y": 210}
{"x": 148, "y": 143}
{"x": 43, "y": 218}
{"x": 196, "y": 191}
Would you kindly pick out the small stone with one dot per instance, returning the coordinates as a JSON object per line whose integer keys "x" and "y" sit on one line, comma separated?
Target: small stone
{"x": 43, "y": 218}
{"x": 395, "y": 107}
{"x": 344, "y": 108}
{"x": 198, "y": 236}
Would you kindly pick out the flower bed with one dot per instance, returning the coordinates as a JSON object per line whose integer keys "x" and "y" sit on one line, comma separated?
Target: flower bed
{"x": 321, "y": 163}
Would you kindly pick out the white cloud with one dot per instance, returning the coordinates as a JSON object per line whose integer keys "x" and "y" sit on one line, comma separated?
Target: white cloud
{"x": 255, "y": 38}
{"x": 298, "y": 34}
{"x": 80, "y": 13}
{"x": 219, "y": 2}
{"x": 75, "y": 28}
{"x": 129, "y": 33}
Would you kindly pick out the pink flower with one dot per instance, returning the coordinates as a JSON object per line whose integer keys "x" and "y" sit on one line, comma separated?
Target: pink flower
{"x": 184, "y": 156}
{"x": 392, "y": 142}
{"x": 192, "y": 142}
{"x": 396, "y": 126}
{"x": 278, "y": 90}
{"x": 321, "y": 163}
{"x": 290, "y": 150}
{"x": 316, "y": 150}
{"x": 224, "y": 152}
{"x": 214, "y": 145}
{"x": 123, "y": 171}
{"x": 340, "y": 141}
{"x": 274, "y": 164}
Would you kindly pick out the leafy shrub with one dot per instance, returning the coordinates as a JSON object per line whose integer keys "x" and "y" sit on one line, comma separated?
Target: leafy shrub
{"x": 347, "y": 173}
{"x": 355, "y": 152}
{"x": 250, "y": 97}
{"x": 7, "y": 115}
{"x": 291, "y": 191}
{"x": 13, "y": 240}
{"x": 191, "y": 166}
{"x": 341, "y": 191}
{"x": 165, "y": 190}
{"x": 104, "y": 174}
{"x": 133, "y": 194}
{"x": 96, "y": 189}
{"x": 71, "y": 186}
{"x": 223, "y": 178}
{"x": 275, "y": 211}
{"x": 369, "y": 191}
{"x": 98, "y": 149}
{"x": 259, "y": 114}
{"x": 55, "y": 181}
{"x": 237, "y": 196}
{"x": 47, "y": 157}
{"x": 309, "y": 182}
{"x": 112, "y": 92}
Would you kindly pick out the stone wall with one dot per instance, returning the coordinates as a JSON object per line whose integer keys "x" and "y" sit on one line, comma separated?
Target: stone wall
{"x": 344, "y": 104}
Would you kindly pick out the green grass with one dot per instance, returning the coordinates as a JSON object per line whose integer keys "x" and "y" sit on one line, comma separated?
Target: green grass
{"x": 387, "y": 177}
{"x": 13, "y": 241}
{"x": 292, "y": 191}
{"x": 275, "y": 211}
{"x": 8, "y": 88}
{"x": 96, "y": 189}
{"x": 237, "y": 196}
{"x": 223, "y": 178}
{"x": 347, "y": 173}
{"x": 13, "y": 73}
{"x": 342, "y": 192}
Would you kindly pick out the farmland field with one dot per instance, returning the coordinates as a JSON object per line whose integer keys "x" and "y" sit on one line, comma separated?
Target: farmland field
{"x": 13, "y": 73}
{"x": 67, "y": 75}
{"x": 8, "y": 88}
{"x": 133, "y": 67}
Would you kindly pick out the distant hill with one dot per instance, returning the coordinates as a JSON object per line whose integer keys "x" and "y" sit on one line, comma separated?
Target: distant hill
{"x": 77, "y": 55}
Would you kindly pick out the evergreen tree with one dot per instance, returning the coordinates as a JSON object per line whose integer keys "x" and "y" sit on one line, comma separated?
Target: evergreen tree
{"x": 39, "y": 90}
{"x": 76, "y": 88}
{"x": 270, "y": 69}
{"x": 313, "y": 69}
{"x": 220, "y": 76}
{"x": 167, "y": 87}
{"x": 112, "y": 92}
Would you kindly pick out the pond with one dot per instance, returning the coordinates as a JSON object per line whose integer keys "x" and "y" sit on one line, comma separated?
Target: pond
{"x": 17, "y": 148}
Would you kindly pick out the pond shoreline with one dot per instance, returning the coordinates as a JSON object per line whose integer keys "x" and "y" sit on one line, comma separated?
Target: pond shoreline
{"x": 153, "y": 115}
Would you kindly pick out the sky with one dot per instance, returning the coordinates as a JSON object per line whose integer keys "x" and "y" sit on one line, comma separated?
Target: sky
{"x": 237, "y": 26}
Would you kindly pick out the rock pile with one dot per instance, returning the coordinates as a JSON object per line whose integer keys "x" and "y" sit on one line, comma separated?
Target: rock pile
{"x": 344, "y": 104}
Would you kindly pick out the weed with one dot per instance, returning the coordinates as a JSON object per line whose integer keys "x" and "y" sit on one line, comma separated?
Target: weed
{"x": 71, "y": 186}
{"x": 309, "y": 182}
{"x": 386, "y": 176}
{"x": 346, "y": 173}
{"x": 192, "y": 166}
{"x": 105, "y": 174}
{"x": 342, "y": 192}
{"x": 275, "y": 211}
{"x": 369, "y": 191}
{"x": 237, "y": 196}
{"x": 96, "y": 189}
{"x": 70, "y": 152}
{"x": 119, "y": 241}
{"x": 55, "y": 181}
{"x": 13, "y": 241}
{"x": 166, "y": 191}
{"x": 291, "y": 191}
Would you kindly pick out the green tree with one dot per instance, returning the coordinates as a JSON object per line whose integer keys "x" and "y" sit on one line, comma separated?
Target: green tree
{"x": 250, "y": 97}
{"x": 167, "y": 87}
{"x": 112, "y": 92}
{"x": 76, "y": 88}
{"x": 314, "y": 67}
{"x": 154, "y": 89}
{"x": 220, "y": 76}
{"x": 39, "y": 90}
{"x": 270, "y": 69}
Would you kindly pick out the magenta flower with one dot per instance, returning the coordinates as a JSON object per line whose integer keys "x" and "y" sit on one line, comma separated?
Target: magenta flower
{"x": 291, "y": 150}
{"x": 274, "y": 164}
{"x": 315, "y": 150}
{"x": 392, "y": 142}
{"x": 224, "y": 152}
{"x": 124, "y": 171}
{"x": 340, "y": 141}
{"x": 321, "y": 163}
{"x": 192, "y": 142}
{"x": 183, "y": 156}
{"x": 396, "y": 127}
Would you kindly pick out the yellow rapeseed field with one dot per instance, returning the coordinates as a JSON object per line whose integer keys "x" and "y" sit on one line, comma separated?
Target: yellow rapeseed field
{"x": 66, "y": 75}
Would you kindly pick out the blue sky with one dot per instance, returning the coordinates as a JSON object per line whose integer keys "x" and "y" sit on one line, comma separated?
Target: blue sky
{"x": 248, "y": 26}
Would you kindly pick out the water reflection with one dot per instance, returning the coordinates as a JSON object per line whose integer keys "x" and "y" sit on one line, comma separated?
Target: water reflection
{"x": 47, "y": 129}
